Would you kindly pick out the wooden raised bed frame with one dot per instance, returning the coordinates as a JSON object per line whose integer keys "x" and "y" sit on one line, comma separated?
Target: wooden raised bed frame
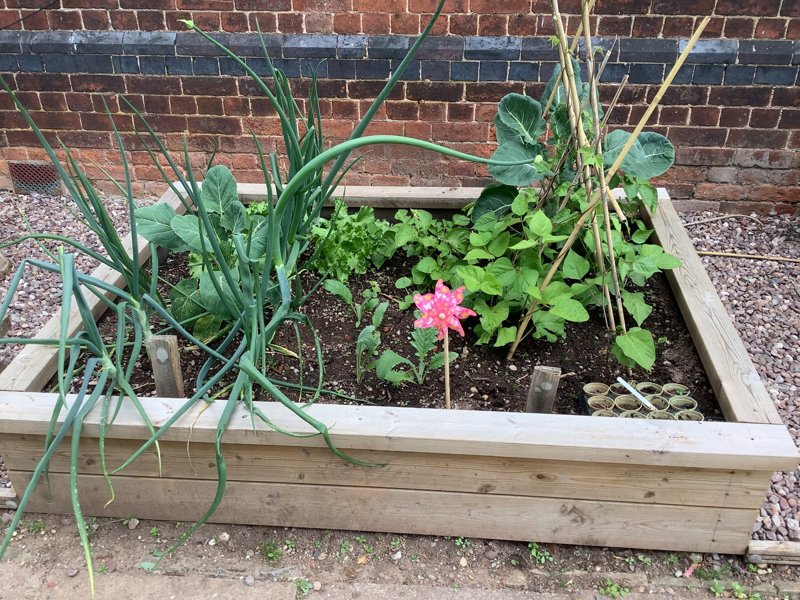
{"x": 549, "y": 478}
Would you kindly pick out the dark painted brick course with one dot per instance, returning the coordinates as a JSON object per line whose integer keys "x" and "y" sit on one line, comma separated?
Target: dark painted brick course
{"x": 249, "y": 44}
{"x": 309, "y": 46}
{"x": 684, "y": 74}
{"x": 464, "y": 71}
{"x": 648, "y": 50}
{"x": 290, "y": 66}
{"x": 150, "y": 42}
{"x": 436, "y": 70}
{"x": 523, "y": 71}
{"x": 708, "y": 74}
{"x": 412, "y": 72}
{"x": 51, "y": 42}
{"x": 372, "y": 69}
{"x": 387, "y": 46}
{"x": 341, "y": 69}
{"x": 309, "y": 66}
{"x": 493, "y": 70}
{"x": 8, "y": 63}
{"x": 614, "y": 72}
{"x": 11, "y": 42}
{"x": 228, "y": 66}
{"x": 492, "y": 48}
{"x": 98, "y": 42}
{"x": 30, "y": 63}
{"x": 63, "y": 63}
{"x": 205, "y": 65}
{"x": 739, "y": 75}
{"x": 711, "y": 51}
{"x": 760, "y": 52}
{"x": 538, "y": 48}
{"x": 776, "y": 75}
{"x": 646, "y": 73}
{"x": 99, "y": 63}
{"x": 442, "y": 48}
{"x": 351, "y": 46}
{"x": 176, "y": 65}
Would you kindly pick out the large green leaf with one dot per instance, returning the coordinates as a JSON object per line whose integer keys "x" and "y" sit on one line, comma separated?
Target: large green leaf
{"x": 187, "y": 227}
{"x": 517, "y": 175}
{"x": 495, "y": 198}
{"x": 650, "y": 155}
{"x": 234, "y": 217}
{"x": 635, "y": 304}
{"x": 219, "y": 189}
{"x": 259, "y": 236}
{"x": 522, "y": 115}
{"x": 153, "y": 224}
{"x": 637, "y": 345}
{"x": 569, "y": 309}
{"x": 575, "y": 266}
{"x": 185, "y": 301}
{"x": 214, "y": 302}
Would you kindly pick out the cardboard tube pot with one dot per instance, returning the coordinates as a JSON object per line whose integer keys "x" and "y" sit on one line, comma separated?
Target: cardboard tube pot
{"x": 600, "y": 403}
{"x": 604, "y": 413}
{"x": 659, "y": 402}
{"x": 689, "y": 415}
{"x": 632, "y": 414}
{"x": 679, "y": 403}
{"x": 648, "y": 388}
{"x": 594, "y": 388}
{"x": 627, "y": 402}
{"x": 674, "y": 389}
{"x": 661, "y": 414}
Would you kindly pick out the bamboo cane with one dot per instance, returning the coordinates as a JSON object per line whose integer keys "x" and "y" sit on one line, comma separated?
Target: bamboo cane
{"x": 609, "y": 174}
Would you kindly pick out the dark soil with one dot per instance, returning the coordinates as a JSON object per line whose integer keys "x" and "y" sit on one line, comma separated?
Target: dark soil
{"x": 481, "y": 378}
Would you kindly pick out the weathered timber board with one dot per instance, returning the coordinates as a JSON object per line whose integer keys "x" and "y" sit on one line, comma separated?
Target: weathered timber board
{"x": 564, "y": 521}
{"x": 712, "y": 445}
{"x": 736, "y": 383}
{"x": 35, "y": 365}
{"x": 412, "y": 470}
{"x": 780, "y": 553}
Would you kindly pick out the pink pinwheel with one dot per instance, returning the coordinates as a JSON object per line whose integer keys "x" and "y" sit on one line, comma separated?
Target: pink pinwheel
{"x": 442, "y": 310}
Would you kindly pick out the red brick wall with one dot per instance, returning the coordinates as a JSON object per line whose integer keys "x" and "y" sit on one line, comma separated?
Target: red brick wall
{"x": 734, "y": 122}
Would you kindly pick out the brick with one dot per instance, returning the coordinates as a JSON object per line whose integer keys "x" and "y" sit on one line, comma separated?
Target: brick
{"x": 492, "y": 25}
{"x": 757, "y": 138}
{"x": 351, "y": 46}
{"x": 464, "y": 71}
{"x": 684, "y": 74}
{"x": 774, "y": 176}
{"x": 711, "y": 51}
{"x": 375, "y": 23}
{"x": 648, "y": 50}
{"x": 404, "y": 24}
{"x": 704, "y": 116}
{"x": 523, "y": 71}
{"x": 233, "y": 22}
{"x": 673, "y": 115}
{"x": 774, "y": 159}
{"x": 758, "y": 52}
{"x": 773, "y": 29}
{"x": 55, "y": 101}
{"x": 463, "y": 25}
{"x": 436, "y": 70}
{"x": 793, "y": 33}
{"x": 342, "y": 69}
{"x": 412, "y": 72}
{"x": 790, "y": 118}
{"x": 649, "y": 26}
{"x": 42, "y": 42}
{"x": 687, "y": 155}
{"x": 319, "y": 22}
{"x": 207, "y": 105}
{"x": 175, "y": 65}
{"x": 708, "y": 74}
{"x": 682, "y": 7}
{"x": 615, "y": 26}
{"x": 493, "y": 70}
{"x": 372, "y": 69}
{"x": 63, "y": 63}
{"x": 460, "y": 132}
{"x": 491, "y": 92}
{"x": 402, "y": 111}
{"x": 101, "y": 19}
{"x": 441, "y": 92}
{"x": 773, "y": 193}
{"x": 290, "y": 23}
{"x": 182, "y": 105}
{"x": 739, "y": 96}
{"x": 736, "y": 27}
{"x": 537, "y": 49}
{"x": 309, "y": 46}
{"x": 786, "y": 96}
{"x": 677, "y": 27}
{"x": 492, "y": 48}
{"x": 370, "y": 89}
{"x": 428, "y": 6}
{"x": 205, "y": 65}
{"x": 776, "y": 75}
{"x": 764, "y": 118}
{"x": 387, "y": 46}
{"x": 34, "y": 19}
{"x": 460, "y": 111}
{"x": 646, "y": 73}
{"x": 614, "y": 72}
{"x": 245, "y": 45}
{"x": 716, "y": 191}
{"x": 30, "y": 63}
{"x": 764, "y": 8}
{"x": 734, "y": 117}
{"x": 722, "y": 174}
{"x": 491, "y": 6}
{"x": 442, "y": 48}
{"x": 522, "y": 25}
{"x": 347, "y": 23}
{"x": 739, "y": 75}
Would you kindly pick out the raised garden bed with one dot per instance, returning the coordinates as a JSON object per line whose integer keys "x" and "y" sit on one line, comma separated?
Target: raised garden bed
{"x": 550, "y": 478}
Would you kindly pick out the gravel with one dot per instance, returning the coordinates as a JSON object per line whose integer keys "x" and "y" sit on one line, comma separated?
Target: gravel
{"x": 761, "y": 296}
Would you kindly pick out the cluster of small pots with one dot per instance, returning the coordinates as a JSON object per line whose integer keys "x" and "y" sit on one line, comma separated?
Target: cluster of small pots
{"x": 671, "y": 401}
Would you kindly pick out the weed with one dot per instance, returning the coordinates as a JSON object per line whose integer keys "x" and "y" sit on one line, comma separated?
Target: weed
{"x": 645, "y": 560}
{"x": 290, "y": 545}
{"x": 345, "y": 547}
{"x": 739, "y": 591}
{"x": 717, "y": 589}
{"x": 36, "y": 526}
{"x": 613, "y": 590}
{"x": 318, "y": 545}
{"x": 368, "y": 549}
{"x": 752, "y": 568}
{"x": 672, "y": 560}
{"x": 704, "y": 574}
{"x": 270, "y": 550}
{"x": 631, "y": 562}
{"x": 127, "y": 520}
{"x": 539, "y": 555}
{"x": 396, "y": 544}
{"x": 101, "y": 569}
{"x": 414, "y": 558}
{"x": 514, "y": 562}
{"x": 303, "y": 586}
{"x": 462, "y": 543}
{"x": 155, "y": 531}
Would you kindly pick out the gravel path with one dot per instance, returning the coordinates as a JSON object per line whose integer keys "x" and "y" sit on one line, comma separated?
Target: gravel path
{"x": 762, "y": 297}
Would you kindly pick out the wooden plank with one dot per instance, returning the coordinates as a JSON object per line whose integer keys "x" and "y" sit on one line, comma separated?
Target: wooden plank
{"x": 543, "y": 389}
{"x": 556, "y": 520}
{"x": 708, "y": 444}
{"x": 414, "y": 470}
{"x": 779, "y": 553}
{"x": 739, "y": 390}
{"x": 7, "y": 493}
{"x": 165, "y": 360}
{"x": 35, "y": 365}
{"x": 431, "y": 198}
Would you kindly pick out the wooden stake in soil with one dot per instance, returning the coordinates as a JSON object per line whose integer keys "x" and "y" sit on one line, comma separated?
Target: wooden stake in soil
{"x": 446, "y": 370}
{"x": 165, "y": 358}
{"x": 5, "y": 266}
{"x": 542, "y": 392}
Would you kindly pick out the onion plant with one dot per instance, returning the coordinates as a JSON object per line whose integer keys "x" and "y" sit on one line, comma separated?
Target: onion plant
{"x": 249, "y": 279}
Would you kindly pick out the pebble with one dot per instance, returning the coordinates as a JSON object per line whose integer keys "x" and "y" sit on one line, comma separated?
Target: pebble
{"x": 491, "y": 554}
{"x": 249, "y": 581}
{"x": 224, "y": 536}
{"x": 133, "y": 523}
{"x": 512, "y": 367}
{"x": 71, "y": 572}
{"x": 463, "y": 561}
{"x": 317, "y": 586}
{"x": 397, "y": 555}
{"x": 11, "y": 505}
